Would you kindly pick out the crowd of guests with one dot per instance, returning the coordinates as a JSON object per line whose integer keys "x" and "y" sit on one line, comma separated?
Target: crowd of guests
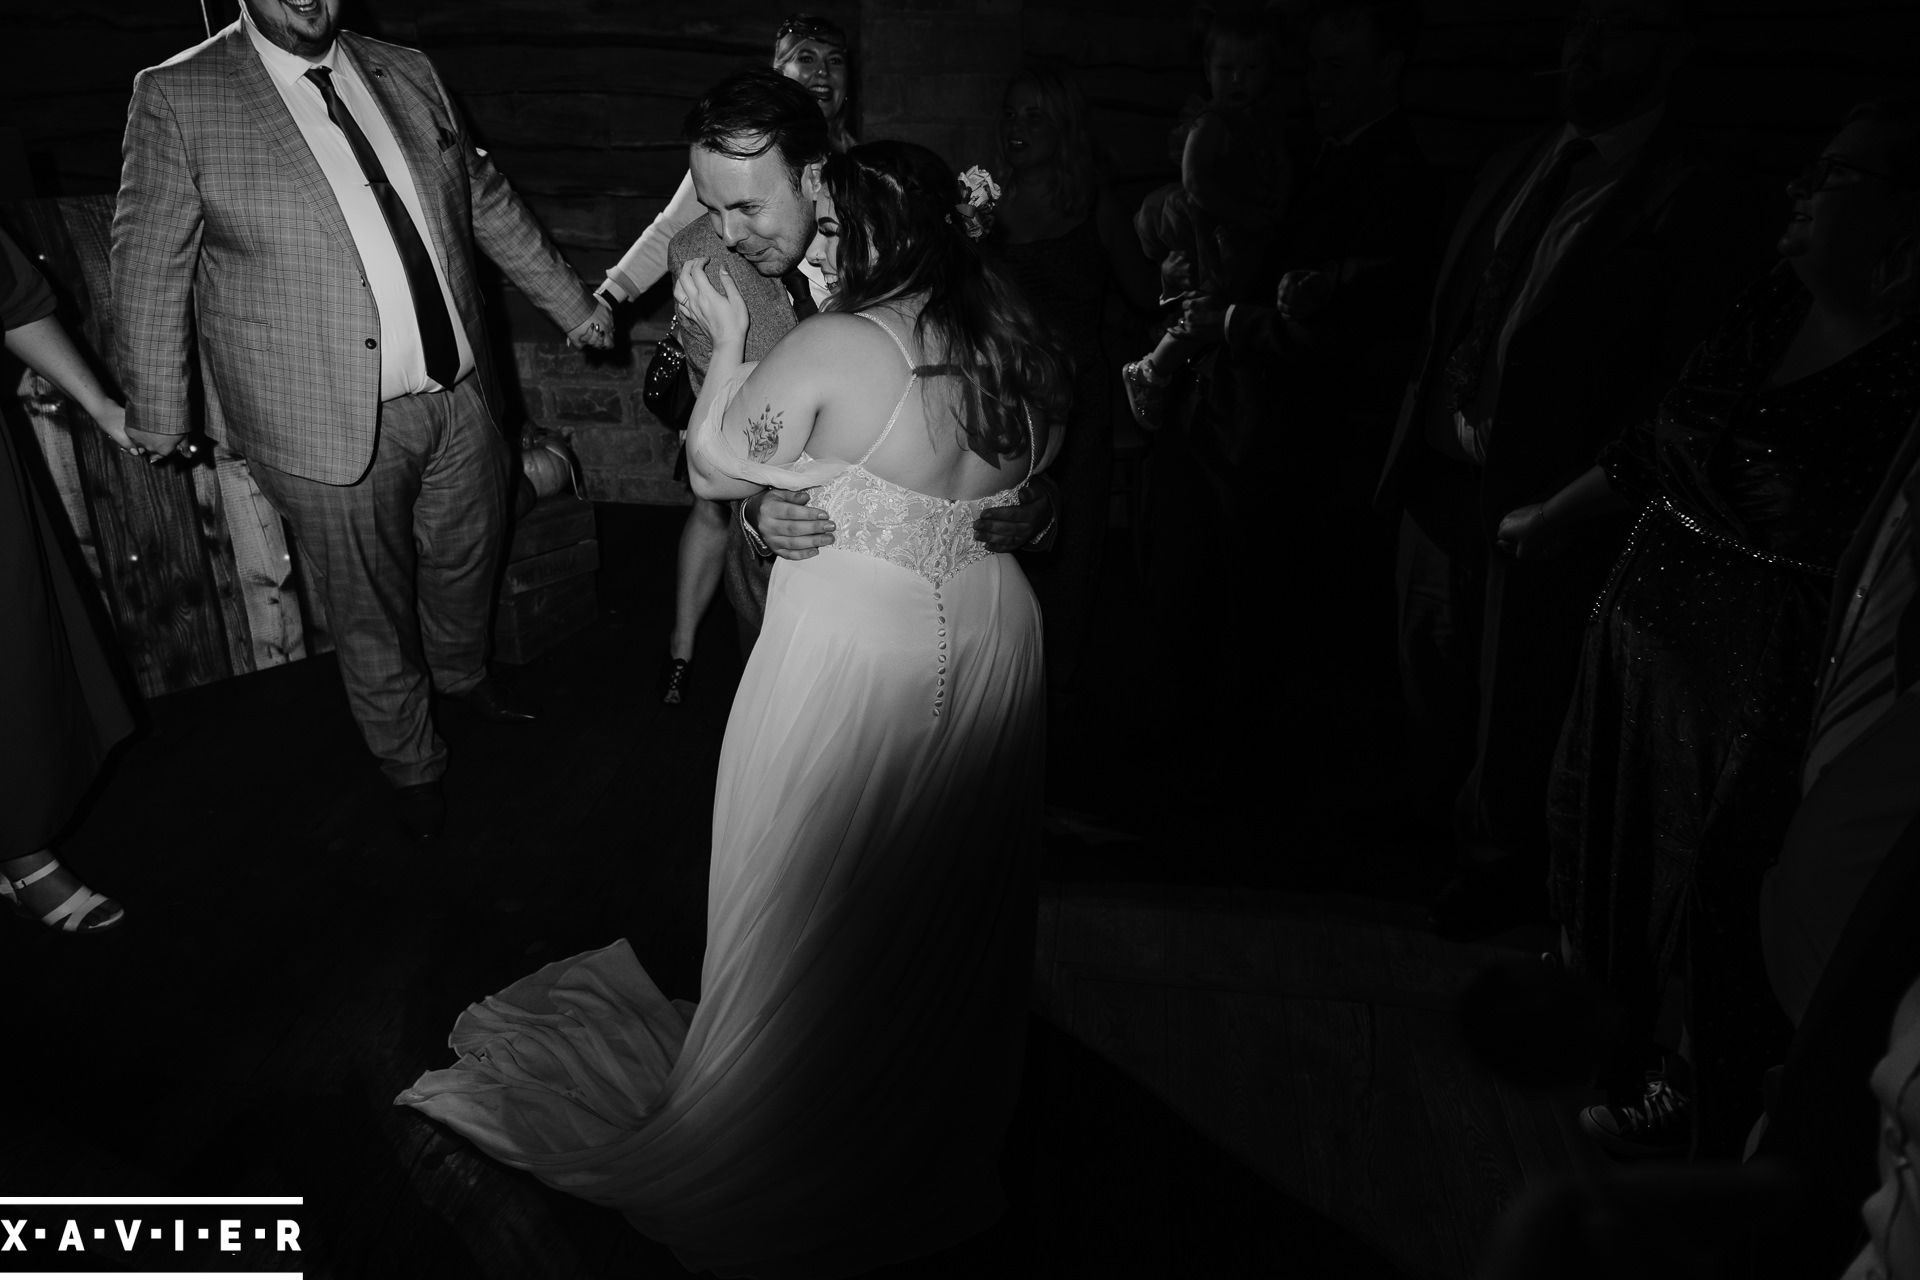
{"x": 1632, "y": 450}
{"x": 1612, "y": 461}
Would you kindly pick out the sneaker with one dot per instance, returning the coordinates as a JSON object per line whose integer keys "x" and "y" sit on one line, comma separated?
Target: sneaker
{"x": 1660, "y": 1124}
{"x": 1146, "y": 393}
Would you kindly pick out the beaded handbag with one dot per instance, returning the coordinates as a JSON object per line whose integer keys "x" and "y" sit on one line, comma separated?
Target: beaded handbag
{"x": 667, "y": 389}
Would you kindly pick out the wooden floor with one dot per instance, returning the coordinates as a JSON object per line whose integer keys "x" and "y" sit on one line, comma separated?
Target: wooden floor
{"x": 1243, "y": 1053}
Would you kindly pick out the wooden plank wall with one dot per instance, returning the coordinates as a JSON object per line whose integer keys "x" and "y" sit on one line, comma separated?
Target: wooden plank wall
{"x": 196, "y": 569}
{"x": 1768, "y": 81}
{"x": 581, "y": 100}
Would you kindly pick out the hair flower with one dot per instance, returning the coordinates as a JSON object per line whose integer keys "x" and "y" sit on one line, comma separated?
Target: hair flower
{"x": 978, "y": 194}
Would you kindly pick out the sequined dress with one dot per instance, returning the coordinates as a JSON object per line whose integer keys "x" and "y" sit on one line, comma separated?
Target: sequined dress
{"x": 837, "y": 1100}
{"x": 1677, "y": 769}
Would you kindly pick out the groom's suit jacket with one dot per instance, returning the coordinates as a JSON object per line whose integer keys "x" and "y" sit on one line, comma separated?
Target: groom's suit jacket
{"x": 227, "y": 232}
{"x": 769, "y": 318}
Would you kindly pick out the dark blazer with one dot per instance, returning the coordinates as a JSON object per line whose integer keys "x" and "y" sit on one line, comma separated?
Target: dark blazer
{"x": 1374, "y": 204}
{"x": 1643, "y": 283}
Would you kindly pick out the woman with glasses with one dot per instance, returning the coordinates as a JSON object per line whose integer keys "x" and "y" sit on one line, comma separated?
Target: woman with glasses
{"x": 812, "y": 51}
{"x": 1678, "y": 768}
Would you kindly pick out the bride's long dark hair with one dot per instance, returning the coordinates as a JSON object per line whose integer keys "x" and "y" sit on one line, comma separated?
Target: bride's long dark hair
{"x": 900, "y": 236}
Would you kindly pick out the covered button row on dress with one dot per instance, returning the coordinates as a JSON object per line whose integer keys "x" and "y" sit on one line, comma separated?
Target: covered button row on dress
{"x": 940, "y": 620}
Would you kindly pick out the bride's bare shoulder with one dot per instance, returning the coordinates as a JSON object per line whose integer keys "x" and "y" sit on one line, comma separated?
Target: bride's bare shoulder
{"x": 832, "y": 337}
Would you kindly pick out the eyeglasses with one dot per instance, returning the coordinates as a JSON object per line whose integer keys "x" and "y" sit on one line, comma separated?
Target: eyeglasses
{"x": 804, "y": 26}
{"x": 1818, "y": 176}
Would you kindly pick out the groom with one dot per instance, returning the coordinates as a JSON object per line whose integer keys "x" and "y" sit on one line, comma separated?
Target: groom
{"x": 757, "y": 141}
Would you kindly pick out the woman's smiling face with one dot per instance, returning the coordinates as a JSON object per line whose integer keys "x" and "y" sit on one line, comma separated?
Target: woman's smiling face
{"x": 821, "y": 69}
{"x": 1028, "y": 134}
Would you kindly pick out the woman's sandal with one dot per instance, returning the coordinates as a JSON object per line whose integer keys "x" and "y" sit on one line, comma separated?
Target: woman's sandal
{"x": 80, "y": 913}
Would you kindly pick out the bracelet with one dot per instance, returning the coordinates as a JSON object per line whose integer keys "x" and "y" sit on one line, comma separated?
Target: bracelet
{"x": 754, "y": 540}
{"x": 1041, "y": 536}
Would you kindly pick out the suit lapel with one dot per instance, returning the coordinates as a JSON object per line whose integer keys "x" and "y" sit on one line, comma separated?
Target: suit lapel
{"x": 261, "y": 103}
{"x": 414, "y": 129}
{"x": 1634, "y": 201}
{"x": 1496, "y": 186}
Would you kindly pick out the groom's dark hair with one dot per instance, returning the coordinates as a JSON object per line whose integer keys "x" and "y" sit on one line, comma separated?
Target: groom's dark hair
{"x": 748, "y": 113}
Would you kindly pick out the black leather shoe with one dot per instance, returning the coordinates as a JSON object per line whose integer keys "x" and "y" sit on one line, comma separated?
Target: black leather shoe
{"x": 422, "y": 810}
{"x": 1490, "y": 898}
{"x": 488, "y": 701}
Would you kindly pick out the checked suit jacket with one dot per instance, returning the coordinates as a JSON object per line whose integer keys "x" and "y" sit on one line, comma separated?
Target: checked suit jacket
{"x": 769, "y": 318}
{"x": 227, "y": 233}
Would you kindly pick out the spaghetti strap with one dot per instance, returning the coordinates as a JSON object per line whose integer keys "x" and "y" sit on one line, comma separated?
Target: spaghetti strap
{"x": 913, "y": 376}
{"x": 1033, "y": 448}
{"x": 898, "y": 341}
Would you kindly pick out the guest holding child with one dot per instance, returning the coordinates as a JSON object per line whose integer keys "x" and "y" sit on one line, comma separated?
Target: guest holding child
{"x": 1219, "y": 222}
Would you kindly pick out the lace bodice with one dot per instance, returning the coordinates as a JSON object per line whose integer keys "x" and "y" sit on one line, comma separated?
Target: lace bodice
{"x": 875, "y": 517}
{"x": 931, "y": 536}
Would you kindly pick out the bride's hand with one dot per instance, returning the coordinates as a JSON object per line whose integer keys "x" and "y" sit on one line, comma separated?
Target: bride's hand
{"x": 723, "y": 317}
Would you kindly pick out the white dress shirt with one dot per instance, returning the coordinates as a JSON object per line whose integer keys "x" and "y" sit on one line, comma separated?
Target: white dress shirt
{"x": 403, "y": 362}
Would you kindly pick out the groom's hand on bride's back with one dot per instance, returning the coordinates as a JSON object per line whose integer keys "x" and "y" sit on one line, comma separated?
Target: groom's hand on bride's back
{"x": 790, "y": 528}
{"x": 1028, "y": 523}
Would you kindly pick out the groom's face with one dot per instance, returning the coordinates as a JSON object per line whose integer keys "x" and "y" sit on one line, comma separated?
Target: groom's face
{"x": 755, "y": 207}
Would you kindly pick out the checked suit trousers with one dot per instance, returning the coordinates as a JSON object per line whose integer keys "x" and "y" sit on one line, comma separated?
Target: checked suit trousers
{"x": 406, "y": 560}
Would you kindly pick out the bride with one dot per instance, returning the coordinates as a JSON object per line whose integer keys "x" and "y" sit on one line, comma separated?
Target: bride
{"x": 837, "y": 1100}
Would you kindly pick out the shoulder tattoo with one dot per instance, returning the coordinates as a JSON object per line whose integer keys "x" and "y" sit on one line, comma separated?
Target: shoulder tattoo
{"x": 763, "y": 435}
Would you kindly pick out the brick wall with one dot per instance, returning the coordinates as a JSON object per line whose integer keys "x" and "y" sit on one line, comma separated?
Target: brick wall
{"x": 933, "y": 72}
{"x": 594, "y": 402}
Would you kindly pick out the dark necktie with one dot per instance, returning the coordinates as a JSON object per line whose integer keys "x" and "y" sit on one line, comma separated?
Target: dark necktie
{"x": 800, "y": 289}
{"x": 1507, "y": 270}
{"x": 429, "y": 306}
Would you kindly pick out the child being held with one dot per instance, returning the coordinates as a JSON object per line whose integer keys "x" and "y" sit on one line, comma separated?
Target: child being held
{"x": 1210, "y": 231}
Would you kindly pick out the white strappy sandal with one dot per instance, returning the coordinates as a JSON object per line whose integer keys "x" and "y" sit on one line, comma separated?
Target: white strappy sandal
{"x": 78, "y": 914}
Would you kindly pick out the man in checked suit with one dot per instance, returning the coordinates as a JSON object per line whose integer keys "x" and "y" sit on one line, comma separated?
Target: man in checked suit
{"x": 1587, "y": 263}
{"x": 304, "y": 204}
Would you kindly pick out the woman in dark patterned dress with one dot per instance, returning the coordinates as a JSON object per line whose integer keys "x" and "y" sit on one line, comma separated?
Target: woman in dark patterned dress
{"x": 1677, "y": 770}
{"x": 63, "y": 708}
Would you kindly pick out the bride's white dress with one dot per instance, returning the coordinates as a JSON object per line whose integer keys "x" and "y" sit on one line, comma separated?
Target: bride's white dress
{"x": 837, "y": 1099}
